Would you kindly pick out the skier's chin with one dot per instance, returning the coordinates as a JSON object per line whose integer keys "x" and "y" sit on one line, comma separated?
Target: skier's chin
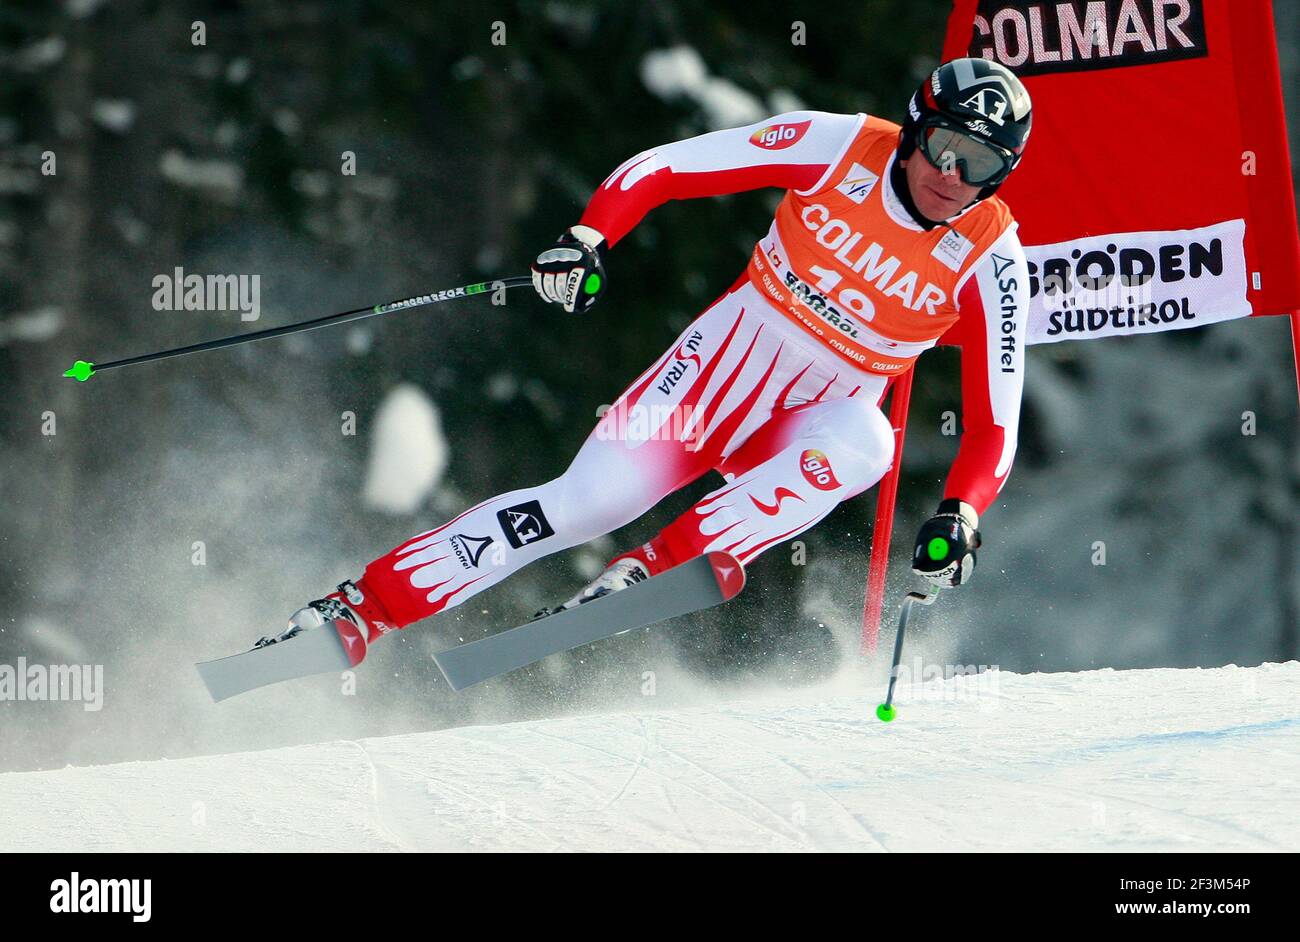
{"x": 936, "y": 206}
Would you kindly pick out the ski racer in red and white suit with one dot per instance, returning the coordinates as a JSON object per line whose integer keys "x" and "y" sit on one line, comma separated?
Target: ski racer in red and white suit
{"x": 777, "y": 385}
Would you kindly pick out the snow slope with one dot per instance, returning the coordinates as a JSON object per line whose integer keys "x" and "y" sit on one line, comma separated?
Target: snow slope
{"x": 1132, "y": 760}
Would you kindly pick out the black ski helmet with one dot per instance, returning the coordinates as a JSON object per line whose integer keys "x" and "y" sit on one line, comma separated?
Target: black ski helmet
{"x": 979, "y": 98}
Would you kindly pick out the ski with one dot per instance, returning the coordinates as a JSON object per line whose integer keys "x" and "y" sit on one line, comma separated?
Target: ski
{"x": 698, "y": 584}
{"x": 314, "y": 651}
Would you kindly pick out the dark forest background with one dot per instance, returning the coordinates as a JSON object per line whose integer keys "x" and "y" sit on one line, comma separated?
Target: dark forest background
{"x": 470, "y": 156}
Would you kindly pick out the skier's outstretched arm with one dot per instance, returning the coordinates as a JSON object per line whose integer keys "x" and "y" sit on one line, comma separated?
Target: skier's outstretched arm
{"x": 994, "y": 302}
{"x": 791, "y": 151}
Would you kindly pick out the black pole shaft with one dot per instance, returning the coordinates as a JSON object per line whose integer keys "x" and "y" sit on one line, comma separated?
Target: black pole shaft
{"x": 326, "y": 321}
{"x": 898, "y": 639}
{"x": 898, "y": 648}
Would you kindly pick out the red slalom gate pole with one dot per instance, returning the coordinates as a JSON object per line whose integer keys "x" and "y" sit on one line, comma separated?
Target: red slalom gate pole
{"x": 884, "y": 525}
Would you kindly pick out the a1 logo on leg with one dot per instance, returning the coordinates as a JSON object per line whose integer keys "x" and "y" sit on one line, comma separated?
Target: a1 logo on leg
{"x": 524, "y": 523}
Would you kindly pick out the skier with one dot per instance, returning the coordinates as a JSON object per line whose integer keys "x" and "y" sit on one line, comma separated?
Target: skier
{"x": 888, "y": 239}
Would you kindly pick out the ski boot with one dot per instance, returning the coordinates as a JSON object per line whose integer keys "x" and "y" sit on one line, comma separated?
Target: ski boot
{"x": 357, "y": 620}
{"x": 624, "y": 571}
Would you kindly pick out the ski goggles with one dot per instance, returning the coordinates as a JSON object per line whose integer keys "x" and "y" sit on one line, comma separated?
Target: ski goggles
{"x": 979, "y": 163}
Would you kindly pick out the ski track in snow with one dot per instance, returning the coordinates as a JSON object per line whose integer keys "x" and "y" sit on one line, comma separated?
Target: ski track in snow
{"x": 1103, "y": 760}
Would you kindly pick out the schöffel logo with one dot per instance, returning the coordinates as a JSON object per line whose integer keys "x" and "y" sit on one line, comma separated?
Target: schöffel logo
{"x": 1007, "y": 300}
{"x": 779, "y": 136}
{"x": 469, "y": 549}
{"x": 1042, "y": 36}
{"x": 816, "y": 468}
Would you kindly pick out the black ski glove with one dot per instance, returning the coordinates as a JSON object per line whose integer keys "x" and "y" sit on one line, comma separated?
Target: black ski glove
{"x": 571, "y": 272}
{"x": 945, "y": 547}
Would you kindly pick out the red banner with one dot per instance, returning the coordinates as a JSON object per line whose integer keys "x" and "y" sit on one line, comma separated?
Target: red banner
{"x": 1156, "y": 189}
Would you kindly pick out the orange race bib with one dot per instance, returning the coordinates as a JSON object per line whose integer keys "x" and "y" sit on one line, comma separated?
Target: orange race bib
{"x": 853, "y": 272}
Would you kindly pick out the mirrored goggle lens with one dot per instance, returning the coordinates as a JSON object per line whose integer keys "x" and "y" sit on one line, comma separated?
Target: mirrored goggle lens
{"x": 953, "y": 152}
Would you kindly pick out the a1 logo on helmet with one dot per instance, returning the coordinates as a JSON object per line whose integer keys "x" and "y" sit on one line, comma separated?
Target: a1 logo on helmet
{"x": 989, "y": 102}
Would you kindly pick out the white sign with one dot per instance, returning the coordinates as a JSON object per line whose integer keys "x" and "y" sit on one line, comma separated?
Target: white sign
{"x": 1137, "y": 282}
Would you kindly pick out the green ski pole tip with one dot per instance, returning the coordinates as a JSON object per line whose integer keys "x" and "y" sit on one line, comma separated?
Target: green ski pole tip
{"x": 81, "y": 371}
{"x": 885, "y": 713}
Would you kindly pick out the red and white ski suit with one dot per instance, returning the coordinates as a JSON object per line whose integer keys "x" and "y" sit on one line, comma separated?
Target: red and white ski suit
{"x": 778, "y": 384}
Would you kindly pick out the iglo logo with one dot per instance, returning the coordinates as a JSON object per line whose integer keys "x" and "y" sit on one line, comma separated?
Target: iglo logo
{"x": 816, "y": 468}
{"x": 779, "y": 136}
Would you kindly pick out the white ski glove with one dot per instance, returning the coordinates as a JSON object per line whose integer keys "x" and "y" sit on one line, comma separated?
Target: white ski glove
{"x": 571, "y": 272}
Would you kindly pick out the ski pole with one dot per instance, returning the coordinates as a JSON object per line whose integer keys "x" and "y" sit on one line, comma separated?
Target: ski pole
{"x": 83, "y": 370}
{"x": 886, "y": 712}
